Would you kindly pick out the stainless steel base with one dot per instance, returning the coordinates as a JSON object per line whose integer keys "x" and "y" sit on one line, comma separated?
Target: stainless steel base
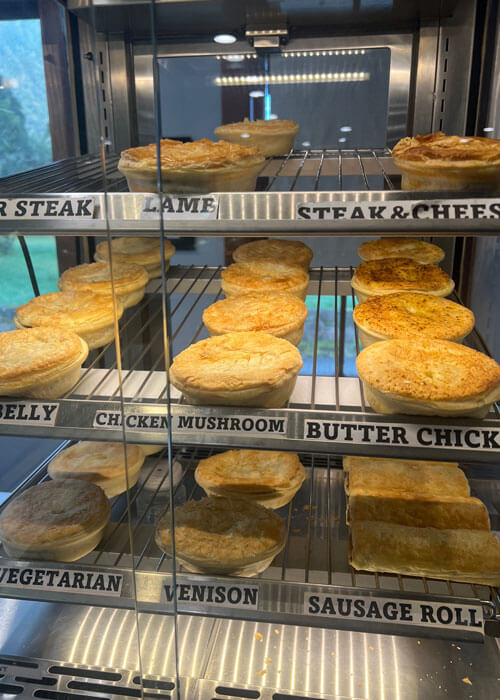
{"x": 64, "y": 651}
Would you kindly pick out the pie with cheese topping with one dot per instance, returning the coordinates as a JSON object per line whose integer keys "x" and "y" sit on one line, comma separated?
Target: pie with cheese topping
{"x": 428, "y": 377}
{"x": 420, "y": 251}
{"x": 389, "y": 275}
{"x": 411, "y": 315}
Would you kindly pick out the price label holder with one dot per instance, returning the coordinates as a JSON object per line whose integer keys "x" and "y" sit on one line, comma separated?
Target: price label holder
{"x": 180, "y": 207}
{"x": 37, "y": 577}
{"x": 440, "y": 618}
{"x": 391, "y": 210}
{"x": 47, "y": 208}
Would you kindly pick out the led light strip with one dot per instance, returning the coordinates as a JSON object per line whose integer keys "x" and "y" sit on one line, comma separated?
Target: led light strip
{"x": 300, "y": 54}
{"x": 228, "y": 80}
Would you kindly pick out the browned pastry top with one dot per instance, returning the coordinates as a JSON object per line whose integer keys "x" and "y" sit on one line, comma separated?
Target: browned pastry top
{"x": 258, "y": 126}
{"x": 428, "y": 370}
{"x": 441, "y": 151}
{"x": 34, "y": 354}
{"x": 53, "y": 510}
{"x": 220, "y": 529}
{"x": 236, "y": 361}
{"x": 203, "y": 154}
{"x": 400, "y": 274}
{"x": 406, "y": 314}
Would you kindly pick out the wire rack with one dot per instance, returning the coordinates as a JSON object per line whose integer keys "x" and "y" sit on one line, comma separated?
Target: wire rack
{"x": 316, "y": 548}
{"x": 314, "y": 170}
{"x": 328, "y": 381}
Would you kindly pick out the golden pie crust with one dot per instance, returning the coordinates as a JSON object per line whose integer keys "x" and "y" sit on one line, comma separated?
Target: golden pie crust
{"x": 129, "y": 280}
{"x": 420, "y": 251}
{"x": 102, "y": 463}
{"x": 88, "y": 314}
{"x": 55, "y": 520}
{"x": 266, "y": 477}
{"x": 42, "y": 362}
{"x": 237, "y": 369}
{"x": 276, "y": 250}
{"x": 143, "y": 251}
{"x": 458, "y": 555}
{"x": 223, "y": 536}
{"x": 410, "y": 315}
{"x": 429, "y": 377}
{"x": 440, "y": 162}
{"x": 402, "y": 476}
{"x": 279, "y": 314}
{"x": 273, "y": 137}
{"x": 414, "y": 510}
{"x": 264, "y": 276}
{"x": 389, "y": 275}
{"x": 198, "y": 166}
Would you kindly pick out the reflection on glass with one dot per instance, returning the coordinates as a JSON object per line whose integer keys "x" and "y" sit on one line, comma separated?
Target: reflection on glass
{"x": 24, "y": 120}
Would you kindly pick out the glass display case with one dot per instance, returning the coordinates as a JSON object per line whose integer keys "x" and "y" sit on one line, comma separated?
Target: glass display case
{"x": 133, "y": 617}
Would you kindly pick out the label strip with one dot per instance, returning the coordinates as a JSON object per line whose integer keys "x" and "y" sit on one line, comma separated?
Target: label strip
{"x": 50, "y": 208}
{"x": 395, "y": 611}
{"x": 61, "y": 580}
{"x": 434, "y": 209}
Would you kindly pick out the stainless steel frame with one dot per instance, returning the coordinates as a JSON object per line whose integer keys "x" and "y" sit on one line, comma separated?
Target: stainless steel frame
{"x": 313, "y": 561}
{"x": 335, "y": 398}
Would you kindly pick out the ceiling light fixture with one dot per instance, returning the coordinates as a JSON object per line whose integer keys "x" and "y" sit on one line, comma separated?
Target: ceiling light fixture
{"x": 224, "y": 38}
{"x": 285, "y": 78}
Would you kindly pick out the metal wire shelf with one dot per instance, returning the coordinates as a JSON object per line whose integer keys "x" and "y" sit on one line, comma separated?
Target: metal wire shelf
{"x": 313, "y": 169}
{"x": 315, "y": 552}
{"x": 328, "y": 388}
{"x": 326, "y": 177}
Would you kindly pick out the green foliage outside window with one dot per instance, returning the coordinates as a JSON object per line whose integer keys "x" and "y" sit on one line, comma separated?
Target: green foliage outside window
{"x": 24, "y": 120}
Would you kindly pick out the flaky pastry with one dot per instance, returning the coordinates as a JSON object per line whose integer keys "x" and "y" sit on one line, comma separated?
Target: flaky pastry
{"x": 458, "y": 555}
{"x": 40, "y": 363}
{"x": 276, "y": 313}
{"x": 428, "y": 377}
{"x": 273, "y": 137}
{"x": 198, "y": 166}
{"x": 440, "y": 162}
{"x": 55, "y": 520}
{"x": 398, "y": 477}
{"x": 102, "y": 463}
{"x": 269, "y": 478}
{"x": 223, "y": 536}
{"x": 138, "y": 250}
{"x": 237, "y": 369}
{"x": 389, "y": 275}
{"x": 411, "y": 315}
{"x": 276, "y": 250}
{"x": 264, "y": 276}
{"x": 421, "y": 251}
{"x": 129, "y": 280}
{"x": 414, "y": 510}
{"x": 88, "y": 314}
